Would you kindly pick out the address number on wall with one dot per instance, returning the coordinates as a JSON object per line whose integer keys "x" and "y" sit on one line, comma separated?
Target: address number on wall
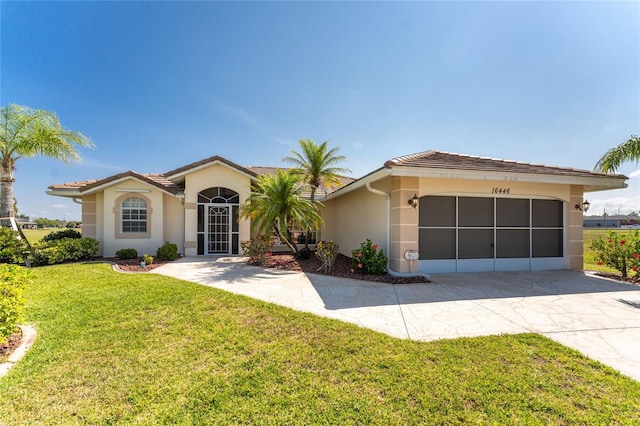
{"x": 501, "y": 190}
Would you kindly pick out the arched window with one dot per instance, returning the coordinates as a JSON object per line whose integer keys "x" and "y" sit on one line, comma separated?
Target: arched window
{"x": 134, "y": 215}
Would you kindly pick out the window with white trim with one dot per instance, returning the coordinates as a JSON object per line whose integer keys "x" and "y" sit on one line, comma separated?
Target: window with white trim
{"x": 133, "y": 213}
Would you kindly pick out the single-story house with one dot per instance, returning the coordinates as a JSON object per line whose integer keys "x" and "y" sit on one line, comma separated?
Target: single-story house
{"x": 431, "y": 211}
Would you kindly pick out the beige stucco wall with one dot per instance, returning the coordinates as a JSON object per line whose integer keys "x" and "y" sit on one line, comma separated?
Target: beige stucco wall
{"x": 112, "y": 239}
{"x": 92, "y": 218}
{"x": 354, "y": 217}
{"x": 575, "y": 221}
{"x": 404, "y": 223}
{"x": 212, "y": 176}
{"x": 360, "y": 214}
{"x": 173, "y": 227}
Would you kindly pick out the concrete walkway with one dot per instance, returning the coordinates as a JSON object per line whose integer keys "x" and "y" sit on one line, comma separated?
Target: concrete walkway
{"x": 598, "y": 317}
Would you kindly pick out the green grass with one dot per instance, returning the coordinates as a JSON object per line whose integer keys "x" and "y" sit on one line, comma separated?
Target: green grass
{"x": 35, "y": 235}
{"x": 147, "y": 349}
{"x": 590, "y": 256}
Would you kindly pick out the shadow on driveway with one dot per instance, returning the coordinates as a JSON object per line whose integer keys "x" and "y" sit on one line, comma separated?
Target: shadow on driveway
{"x": 345, "y": 293}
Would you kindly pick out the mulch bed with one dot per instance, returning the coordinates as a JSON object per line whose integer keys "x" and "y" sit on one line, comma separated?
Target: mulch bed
{"x": 8, "y": 347}
{"x": 629, "y": 280}
{"x": 341, "y": 268}
{"x": 132, "y": 265}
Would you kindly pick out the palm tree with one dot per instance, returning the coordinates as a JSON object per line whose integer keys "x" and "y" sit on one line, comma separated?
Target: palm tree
{"x": 317, "y": 164}
{"x": 626, "y": 151}
{"x": 27, "y": 132}
{"x": 275, "y": 202}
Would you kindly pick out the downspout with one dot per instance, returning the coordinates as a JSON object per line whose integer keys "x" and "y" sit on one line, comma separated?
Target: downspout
{"x": 388, "y": 226}
{"x": 77, "y": 200}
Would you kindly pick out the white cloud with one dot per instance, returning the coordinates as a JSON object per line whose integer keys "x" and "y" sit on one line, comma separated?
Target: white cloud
{"x": 614, "y": 205}
{"x": 635, "y": 174}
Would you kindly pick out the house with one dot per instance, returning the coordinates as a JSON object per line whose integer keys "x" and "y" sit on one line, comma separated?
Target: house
{"x": 431, "y": 211}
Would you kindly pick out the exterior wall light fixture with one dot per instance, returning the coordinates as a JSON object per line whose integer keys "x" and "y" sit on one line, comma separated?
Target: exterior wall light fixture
{"x": 413, "y": 202}
{"x": 584, "y": 207}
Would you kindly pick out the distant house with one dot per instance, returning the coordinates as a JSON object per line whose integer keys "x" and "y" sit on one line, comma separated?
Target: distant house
{"x": 458, "y": 212}
{"x": 25, "y": 224}
{"x": 612, "y": 221}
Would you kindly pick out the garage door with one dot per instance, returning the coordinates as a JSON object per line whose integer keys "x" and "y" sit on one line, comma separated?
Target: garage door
{"x": 464, "y": 234}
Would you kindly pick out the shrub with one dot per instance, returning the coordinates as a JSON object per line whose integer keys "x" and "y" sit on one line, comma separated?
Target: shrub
{"x": 304, "y": 253}
{"x": 65, "y": 250}
{"x": 59, "y": 235}
{"x": 168, "y": 252}
{"x": 368, "y": 260}
{"x": 12, "y": 246}
{"x": 127, "y": 253}
{"x": 13, "y": 280}
{"x": 327, "y": 252}
{"x": 618, "y": 251}
{"x": 147, "y": 259}
{"x": 257, "y": 249}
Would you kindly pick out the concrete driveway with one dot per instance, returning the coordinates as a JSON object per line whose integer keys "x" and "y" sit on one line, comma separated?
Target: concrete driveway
{"x": 598, "y": 317}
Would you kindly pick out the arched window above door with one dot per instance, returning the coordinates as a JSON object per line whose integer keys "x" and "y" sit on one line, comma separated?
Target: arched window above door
{"x": 218, "y": 195}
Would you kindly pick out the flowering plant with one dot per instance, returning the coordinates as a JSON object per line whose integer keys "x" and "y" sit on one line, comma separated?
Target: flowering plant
{"x": 618, "y": 251}
{"x": 258, "y": 249}
{"x": 368, "y": 260}
{"x": 327, "y": 251}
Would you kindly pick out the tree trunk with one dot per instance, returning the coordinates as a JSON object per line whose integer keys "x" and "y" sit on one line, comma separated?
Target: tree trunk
{"x": 307, "y": 236}
{"x": 6, "y": 190}
{"x": 286, "y": 240}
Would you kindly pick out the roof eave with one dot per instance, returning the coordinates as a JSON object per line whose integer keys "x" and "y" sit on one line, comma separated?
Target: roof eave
{"x": 359, "y": 183}
{"x": 238, "y": 169}
{"x": 591, "y": 183}
{"x": 99, "y": 188}
{"x": 69, "y": 193}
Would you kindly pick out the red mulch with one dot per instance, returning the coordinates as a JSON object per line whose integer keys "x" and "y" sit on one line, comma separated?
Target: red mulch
{"x": 8, "y": 347}
{"x": 132, "y": 265}
{"x": 341, "y": 268}
{"x": 629, "y": 280}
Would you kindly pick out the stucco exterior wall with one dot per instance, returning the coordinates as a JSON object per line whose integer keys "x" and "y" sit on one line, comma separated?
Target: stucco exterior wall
{"x": 212, "y": 176}
{"x": 404, "y": 223}
{"x": 113, "y": 239}
{"x": 574, "y": 229}
{"x": 354, "y": 217}
{"x": 357, "y": 215}
{"x": 173, "y": 227}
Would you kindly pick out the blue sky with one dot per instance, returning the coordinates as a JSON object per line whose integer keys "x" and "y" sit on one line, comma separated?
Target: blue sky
{"x": 157, "y": 85}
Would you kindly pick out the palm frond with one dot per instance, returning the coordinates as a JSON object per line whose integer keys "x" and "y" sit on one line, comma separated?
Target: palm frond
{"x": 615, "y": 157}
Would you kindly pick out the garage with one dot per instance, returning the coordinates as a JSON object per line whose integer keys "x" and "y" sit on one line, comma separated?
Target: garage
{"x": 466, "y": 233}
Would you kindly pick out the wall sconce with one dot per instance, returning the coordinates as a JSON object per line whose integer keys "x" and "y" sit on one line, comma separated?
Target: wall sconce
{"x": 413, "y": 202}
{"x": 584, "y": 207}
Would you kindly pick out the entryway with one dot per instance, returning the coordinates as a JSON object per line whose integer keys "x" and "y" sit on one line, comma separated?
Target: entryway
{"x": 218, "y": 230}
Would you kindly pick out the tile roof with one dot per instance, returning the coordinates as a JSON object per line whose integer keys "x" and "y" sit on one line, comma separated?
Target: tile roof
{"x": 215, "y": 158}
{"x": 161, "y": 180}
{"x": 447, "y": 160}
{"x": 154, "y": 179}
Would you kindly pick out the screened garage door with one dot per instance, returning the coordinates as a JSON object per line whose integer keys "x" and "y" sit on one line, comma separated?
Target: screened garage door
{"x": 464, "y": 234}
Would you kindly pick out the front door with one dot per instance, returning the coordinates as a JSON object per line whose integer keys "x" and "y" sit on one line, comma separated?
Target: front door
{"x": 218, "y": 229}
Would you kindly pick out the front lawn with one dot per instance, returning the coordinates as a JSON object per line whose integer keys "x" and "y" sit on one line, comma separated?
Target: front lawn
{"x": 123, "y": 348}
